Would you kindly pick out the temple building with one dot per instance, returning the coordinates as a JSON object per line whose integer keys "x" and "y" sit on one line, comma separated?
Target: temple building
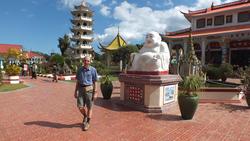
{"x": 82, "y": 31}
{"x": 116, "y": 43}
{"x": 221, "y": 34}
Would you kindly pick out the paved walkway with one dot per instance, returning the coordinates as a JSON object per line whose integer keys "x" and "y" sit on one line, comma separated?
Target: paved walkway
{"x": 47, "y": 112}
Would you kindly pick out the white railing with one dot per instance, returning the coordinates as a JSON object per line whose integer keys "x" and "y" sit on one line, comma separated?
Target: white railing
{"x": 87, "y": 46}
{"x": 86, "y": 37}
{"x": 86, "y": 19}
{"x": 83, "y": 18}
{"x": 83, "y": 27}
{"x": 78, "y": 56}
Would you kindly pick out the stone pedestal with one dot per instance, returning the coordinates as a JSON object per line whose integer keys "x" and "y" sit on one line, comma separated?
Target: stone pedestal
{"x": 149, "y": 93}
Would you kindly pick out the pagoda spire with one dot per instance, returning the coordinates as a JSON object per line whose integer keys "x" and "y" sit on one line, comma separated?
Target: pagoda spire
{"x": 84, "y": 3}
{"x": 118, "y": 30}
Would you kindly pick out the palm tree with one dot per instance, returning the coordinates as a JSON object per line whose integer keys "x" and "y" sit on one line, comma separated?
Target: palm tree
{"x": 64, "y": 43}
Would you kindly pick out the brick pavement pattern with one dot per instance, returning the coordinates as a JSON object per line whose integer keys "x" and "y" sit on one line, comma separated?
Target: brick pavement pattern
{"x": 47, "y": 111}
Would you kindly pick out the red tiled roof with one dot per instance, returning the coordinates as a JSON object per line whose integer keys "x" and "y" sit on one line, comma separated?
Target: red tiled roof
{"x": 219, "y": 8}
{"x": 4, "y": 48}
{"x": 206, "y": 32}
{"x": 31, "y": 54}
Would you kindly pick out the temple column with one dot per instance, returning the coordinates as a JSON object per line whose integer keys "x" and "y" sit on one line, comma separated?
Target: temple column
{"x": 108, "y": 59}
{"x": 224, "y": 49}
{"x": 170, "y": 45}
{"x": 185, "y": 44}
{"x": 203, "y": 51}
{"x": 1, "y": 64}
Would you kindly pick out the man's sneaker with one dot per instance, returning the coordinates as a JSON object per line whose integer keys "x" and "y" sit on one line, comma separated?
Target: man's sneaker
{"x": 84, "y": 121}
{"x": 86, "y": 127}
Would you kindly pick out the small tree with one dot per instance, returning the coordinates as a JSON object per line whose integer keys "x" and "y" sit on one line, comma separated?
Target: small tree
{"x": 13, "y": 69}
{"x": 64, "y": 43}
{"x": 123, "y": 54}
{"x": 57, "y": 59}
{"x": 13, "y": 54}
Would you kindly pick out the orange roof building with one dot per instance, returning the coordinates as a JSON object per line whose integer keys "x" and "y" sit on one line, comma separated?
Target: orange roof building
{"x": 221, "y": 34}
{"x": 4, "y": 48}
{"x": 33, "y": 57}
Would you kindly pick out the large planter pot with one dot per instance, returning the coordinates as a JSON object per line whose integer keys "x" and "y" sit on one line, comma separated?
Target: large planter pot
{"x": 247, "y": 96}
{"x": 187, "y": 105}
{"x": 106, "y": 89}
{"x": 11, "y": 80}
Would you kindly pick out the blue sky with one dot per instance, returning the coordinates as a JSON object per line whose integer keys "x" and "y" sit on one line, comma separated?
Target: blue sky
{"x": 37, "y": 24}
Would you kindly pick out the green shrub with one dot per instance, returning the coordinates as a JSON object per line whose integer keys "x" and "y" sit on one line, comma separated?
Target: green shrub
{"x": 12, "y": 70}
{"x": 100, "y": 67}
{"x": 1, "y": 76}
{"x": 226, "y": 70}
{"x": 191, "y": 84}
{"x": 219, "y": 72}
{"x": 244, "y": 74}
{"x": 213, "y": 72}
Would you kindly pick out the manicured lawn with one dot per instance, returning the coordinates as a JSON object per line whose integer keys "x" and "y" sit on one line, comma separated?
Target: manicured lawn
{"x": 220, "y": 84}
{"x": 114, "y": 78}
{"x": 11, "y": 87}
{"x": 71, "y": 81}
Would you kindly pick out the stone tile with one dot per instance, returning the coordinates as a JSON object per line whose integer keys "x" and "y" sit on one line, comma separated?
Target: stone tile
{"x": 47, "y": 111}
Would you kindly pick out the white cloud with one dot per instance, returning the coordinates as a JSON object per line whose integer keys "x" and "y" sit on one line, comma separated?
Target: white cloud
{"x": 105, "y": 10}
{"x": 168, "y": 3}
{"x": 227, "y": 1}
{"x": 30, "y": 15}
{"x": 24, "y": 10}
{"x": 95, "y": 2}
{"x": 200, "y": 4}
{"x": 71, "y": 3}
{"x": 113, "y": 2}
{"x": 34, "y": 2}
{"x": 135, "y": 22}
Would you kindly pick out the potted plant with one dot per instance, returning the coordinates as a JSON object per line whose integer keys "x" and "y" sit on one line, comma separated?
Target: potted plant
{"x": 106, "y": 87}
{"x": 188, "y": 98}
{"x": 245, "y": 79}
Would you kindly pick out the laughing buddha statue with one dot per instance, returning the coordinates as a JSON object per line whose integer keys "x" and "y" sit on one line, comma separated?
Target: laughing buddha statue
{"x": 154, "y": 56}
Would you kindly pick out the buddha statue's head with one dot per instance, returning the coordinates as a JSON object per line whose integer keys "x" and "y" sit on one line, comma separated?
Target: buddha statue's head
{"x": 153, "y": 39}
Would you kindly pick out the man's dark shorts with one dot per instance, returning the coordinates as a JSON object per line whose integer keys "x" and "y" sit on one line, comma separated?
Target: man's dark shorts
{"x": 84, "y": 98}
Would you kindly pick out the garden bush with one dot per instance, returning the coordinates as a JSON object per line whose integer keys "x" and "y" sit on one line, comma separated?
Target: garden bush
{"x": 213, "y": 72}
{"x": 226, "y": 70}
{"x": 222, "y": 72}
{"x": 12, "y": 70}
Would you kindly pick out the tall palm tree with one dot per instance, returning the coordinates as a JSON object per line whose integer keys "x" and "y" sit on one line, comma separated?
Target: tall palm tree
{"x": 64, "y": 43}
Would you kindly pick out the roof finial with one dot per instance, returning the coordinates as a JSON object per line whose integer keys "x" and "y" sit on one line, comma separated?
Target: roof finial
{"x": 212, "y": 5}
{"x": 84, "y": 3}
{"x": 118, "y": 30}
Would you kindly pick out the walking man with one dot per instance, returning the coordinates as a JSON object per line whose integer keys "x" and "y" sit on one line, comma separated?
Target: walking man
{"x": 55, "y": 73}
{"x": 33, "y": 71}
{"x": 85, "y": 90}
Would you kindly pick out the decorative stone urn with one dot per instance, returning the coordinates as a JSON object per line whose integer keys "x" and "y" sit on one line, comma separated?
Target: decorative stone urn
{"x": 147, "y": 86}
{"x": 11, "y": 79}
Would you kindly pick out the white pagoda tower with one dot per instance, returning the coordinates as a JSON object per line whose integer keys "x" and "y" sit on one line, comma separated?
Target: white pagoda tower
{"x": 82, "y": 31}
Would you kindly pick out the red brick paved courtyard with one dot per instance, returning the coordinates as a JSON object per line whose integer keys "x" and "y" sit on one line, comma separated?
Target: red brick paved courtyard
{"x": 47, "y": 111}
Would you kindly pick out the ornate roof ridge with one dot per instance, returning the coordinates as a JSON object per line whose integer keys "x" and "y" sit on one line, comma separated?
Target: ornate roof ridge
{"x": 214, "y": 7}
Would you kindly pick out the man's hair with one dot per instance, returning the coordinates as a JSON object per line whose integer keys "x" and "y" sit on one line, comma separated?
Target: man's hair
{"x": 87, "y": 58}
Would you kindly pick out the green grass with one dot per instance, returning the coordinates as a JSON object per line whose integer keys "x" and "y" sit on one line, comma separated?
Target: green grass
{"x": 113, "y": 78}
{"x": 11, "y": 87}
{"x": 71, "y": 81}
{"x": 219, "y": 85}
